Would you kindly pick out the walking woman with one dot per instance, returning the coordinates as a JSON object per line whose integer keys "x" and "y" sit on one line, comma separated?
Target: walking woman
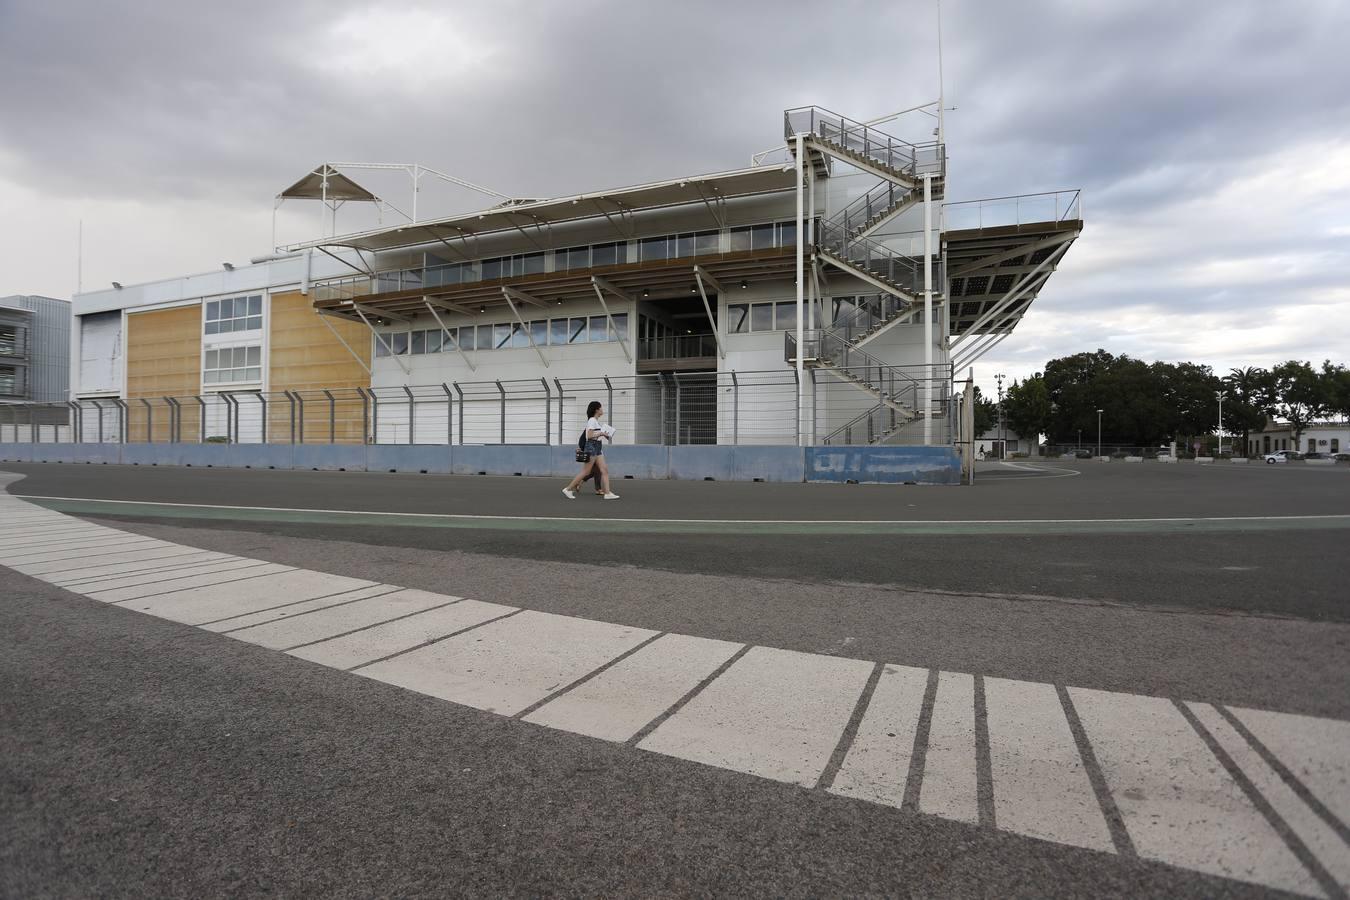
{"x": 596, "y": 432}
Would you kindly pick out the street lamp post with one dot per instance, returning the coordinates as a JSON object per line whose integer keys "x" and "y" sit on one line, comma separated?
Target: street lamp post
{"x": 1220, "y": 395}
{"x": 1002, "y": 432}
{"x": 1099, "y": 432}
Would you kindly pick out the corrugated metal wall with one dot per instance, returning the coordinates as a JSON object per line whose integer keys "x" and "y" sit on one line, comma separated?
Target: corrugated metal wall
{"x": 48, "y": 347}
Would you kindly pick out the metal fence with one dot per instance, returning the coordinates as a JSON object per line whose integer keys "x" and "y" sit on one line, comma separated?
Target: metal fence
{"x": 671, "y": 408}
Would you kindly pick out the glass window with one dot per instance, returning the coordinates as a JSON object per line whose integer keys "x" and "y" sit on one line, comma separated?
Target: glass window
{"x": 786, "y": 316}
{"x": 419, "y": 342}
{"x": 212, "y": 327}
{"x": 532, "y": 263}
{"x": 653, "y": 249}
{"x": 466, "y": 338}
{"x": 557, "y": 332}
{"x": 740, "y": 239}
{"x": 579, "y": 258}
{"x": 210, "y": 358}
{"x": 492, "y": 268}
{"x": 381, "y": 349}
{"x": 599, "y": 329}
{"x": 519, "y": 337}
{"x": 761, "y": 237}
{"x": 228, "y": 364}
{"x": 620, "y": 327}
{"x": 254, "y": 356}
{"x": 255, "y": 306}
{"x": 211, "y": 378}
{"x": 539, "y": 331}
{"x": 484, "y": 337}
{"x": 707, "y": 242}
{"x": 501, "y": 336}
{"x": 434, "y": 340}
{"x": 253, "y": 323}
{"x": 212, "y": 311}
{"x": 787, "y": 234}
{"x": 761, "y": 317}
{"x": 577, "y": 331}
{"x": 738, "y": 315}
{"x": 684, "y": 246}
{"x": 399, "y": 342}
{"x": 609, "y": 254}
{"x": 233, "y": 314}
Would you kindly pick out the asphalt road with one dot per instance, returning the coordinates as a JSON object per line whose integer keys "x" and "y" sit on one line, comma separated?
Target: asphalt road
{"x": 141, "y": 757}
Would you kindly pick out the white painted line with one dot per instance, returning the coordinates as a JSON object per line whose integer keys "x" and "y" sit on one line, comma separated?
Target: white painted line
{"x": 509, "y": 665}
{"x": 877, "y": 764}
{"x": 170, "y": 551}
{"x": 617, "y": 703}
{"x": 273, "y": 614}
{"x": 196, "y": 606}
{"x": 81, "y": 550}
{"x": 402, "y": 634}
{"x": 78, "y": 576}
{"x": 1320, "y": 839}
{"x": 39, "y": 539}
{"x": 335, "y": 620}
{"x": 172, "y": 582}
{"x": 775, "y": 713}
{"x": 584, "y": 519}
{"x": 107, "y": 583}
{"x": 949, "y": 782}
{"x": 1179, "y": 804}
{"x": 1316, "y": 750}
{"x": 1040, "y": 786}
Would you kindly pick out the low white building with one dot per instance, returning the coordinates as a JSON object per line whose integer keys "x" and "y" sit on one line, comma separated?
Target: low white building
{"x": 1325, "y": 437}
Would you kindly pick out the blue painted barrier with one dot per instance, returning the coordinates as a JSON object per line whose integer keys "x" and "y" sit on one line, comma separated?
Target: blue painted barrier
{"x": 884, "y": 465}
{"x": 332, "y": 457}
{"x": 408, "y": 458}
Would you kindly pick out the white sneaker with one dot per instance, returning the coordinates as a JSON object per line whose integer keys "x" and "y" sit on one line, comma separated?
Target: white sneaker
{"x": 611, "y": 496}
{"x": 570, "y": 495}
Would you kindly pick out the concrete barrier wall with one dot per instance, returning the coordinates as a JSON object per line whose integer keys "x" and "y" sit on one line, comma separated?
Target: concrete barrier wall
{"x": 881, "y": 464}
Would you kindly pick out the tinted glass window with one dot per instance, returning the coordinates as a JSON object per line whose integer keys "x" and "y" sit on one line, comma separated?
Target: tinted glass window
{"x": 653, "y": 248}
{"x": 599, "y": 329}
{"x": 501, "y": 336}
{"x": 539, "y": 331}
{"x": 609, "y": 254}
{"x": 557, "y": 333}
{"x": 786, "y": 317}
{"x": 707, "y": 242}
{"x": 740, "y": 239}
{"x": 761, "y": 237}
{"x": 419, "y": 342}
{"x": 576, "y": 331}
{"x": 761, "y": 317}
{"x": 399, "y": 342}
{"x": 620, "y": 326}
{"x": 738, "y": 315}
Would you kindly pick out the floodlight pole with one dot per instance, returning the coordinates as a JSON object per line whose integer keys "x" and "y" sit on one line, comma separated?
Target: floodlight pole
{"x": 928, "y": 309}
{"x": 1099, "y": 432}
{"x": 801, "y": 284}
{"x": 1220, "y": 395}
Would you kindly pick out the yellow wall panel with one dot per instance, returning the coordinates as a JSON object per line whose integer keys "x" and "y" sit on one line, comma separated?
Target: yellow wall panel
{"x": 304, "y": 356}
{"x": 163, "y": 360}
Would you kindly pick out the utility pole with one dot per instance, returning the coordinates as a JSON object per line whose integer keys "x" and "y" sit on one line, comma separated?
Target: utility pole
{"x": 1220, "y": 395}
{"x": 1002, "y": 432}
{"x": 1099, "y": 432}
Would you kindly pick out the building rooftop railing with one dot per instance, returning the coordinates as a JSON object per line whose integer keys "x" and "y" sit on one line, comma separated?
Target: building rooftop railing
{"x": 1020, "y": 209}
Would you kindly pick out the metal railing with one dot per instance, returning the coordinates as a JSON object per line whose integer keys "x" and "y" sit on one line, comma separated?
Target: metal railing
{"x": 1022, "y": 209}
{"x": 872, "y": 207}
{"x": 678, "y": 346}
{"x": 904, "y": 272}
{"x": 865, "y": 141}
{"x": 759, "y": 408}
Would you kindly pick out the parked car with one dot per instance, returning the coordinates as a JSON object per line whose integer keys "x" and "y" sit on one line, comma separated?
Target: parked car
{"x": 1315, "y": 455}
{"x": 1282, "y": 456}
{"x": 1342, "y": 457}
{"x": 1082, "y": 454}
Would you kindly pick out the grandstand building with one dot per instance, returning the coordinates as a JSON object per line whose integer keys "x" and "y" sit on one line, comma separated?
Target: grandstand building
{"x": 827, "y": 294}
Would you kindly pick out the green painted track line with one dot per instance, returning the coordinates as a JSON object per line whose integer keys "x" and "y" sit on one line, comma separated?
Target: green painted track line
{"x": 581, "y": 524}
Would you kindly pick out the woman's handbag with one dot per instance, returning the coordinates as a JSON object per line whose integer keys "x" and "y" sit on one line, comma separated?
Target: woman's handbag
{"x": 582, "y": 455}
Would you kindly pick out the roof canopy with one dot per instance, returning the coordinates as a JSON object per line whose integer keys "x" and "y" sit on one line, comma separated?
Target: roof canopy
{"x": 338, "y": 187}
{"x": 616, "y": 203}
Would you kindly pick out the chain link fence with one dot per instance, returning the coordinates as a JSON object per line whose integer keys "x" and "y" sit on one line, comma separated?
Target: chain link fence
{"x": 749, "y": 408}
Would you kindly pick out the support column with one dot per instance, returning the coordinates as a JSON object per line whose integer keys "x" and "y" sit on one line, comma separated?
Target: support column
{"x": 801, "y": 281}
{"x": 928, "y": 309}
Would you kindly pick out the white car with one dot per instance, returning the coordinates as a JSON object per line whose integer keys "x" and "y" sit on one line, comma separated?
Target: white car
{"x": 1281, "y": 456}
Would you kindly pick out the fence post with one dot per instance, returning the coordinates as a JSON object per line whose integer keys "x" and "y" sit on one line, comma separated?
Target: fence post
{"x": 98, "y": 408}
{"x": 300, "y": 414}
{"x": 661, "y": 381}
{"x": 332, "y": 416}
{"x": 735, "y": 409}
{"x": 201, "y": 418}
{"x": 459, "y": 391}
{"x": 449, "y": 414}
{"x": 609, "y": 399}
{"x": 815, "y": 408}
{"x": 548, "y": 408}
{"x": 412, "y": 413}
{"x": 561, "y": 439}
{"x": 262, "y": 400}
{"x": 503, "y": 393}
{"x": 797, "y": 419}
{"x": 676, "y": 376}
{"x": 149, "y": 419}
{"x": 168, "y": 403}
{"x": 374, "y": 416}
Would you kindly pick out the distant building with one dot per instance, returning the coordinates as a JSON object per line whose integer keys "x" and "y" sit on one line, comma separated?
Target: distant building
{"x": 34, "y": 350}
{"x": 1325, "y": 437}
{"x": 1000, "y": 443}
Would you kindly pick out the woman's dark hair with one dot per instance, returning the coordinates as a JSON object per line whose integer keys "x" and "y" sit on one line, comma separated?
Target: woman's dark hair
{"x": 591, "y": 408}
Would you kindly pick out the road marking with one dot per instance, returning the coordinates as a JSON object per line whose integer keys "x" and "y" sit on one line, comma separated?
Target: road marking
{"x": 379, "y": 641}
{"x": 618, "y": 702}
{"x": 170, "y": 551}
{"x": 108, "y": 583}
{"x": 949, "y": 786}
{"x": 310, "y": 627}
{"x": 94, "y": 573}
{"x": 1179, "y": 804}
{"x": 736, "y": 526}
{"x": 1320, "y": 839}
{"x": 238, "y": 621}
{"x": 774, "y": 713}
{"x": 1040, "y": 786}
{"x": 90, "y": 551}
{"x": 1316, "y": 751}
{"x": 508, "y": 665}
{"x": 197, "y": 606}
{"x": 173, "y": 583}
{"x": 877, "y": 764}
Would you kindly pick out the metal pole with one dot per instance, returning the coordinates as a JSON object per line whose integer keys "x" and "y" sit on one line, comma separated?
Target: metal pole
{"x": 548, "y": 410}
{"x": 168, "y": 403}
{"x": 928, "y": 309}
{"x": 661, "y": 380}
{"x": 609, "y": 399}
{"x": 412, "y": 409}
{"x": 801, "y": 277}
{"x": 449, "y": 414}
{"x": 262, "y": 428}
{"x": 1099, "y": 430}
{"x": 374, "y": 416}
{"x": 291, "y": 403}
{"x": 332, "y": 417}
{"x": 99, "y": 408}
{"x": 460, "y": 391}
{"x": 502, "y": 391}
{"x": 201, "y": 418}
{"x": 300, "y": 415}
{"x": 736, "y": 409}
{"x": 676, "y": 376}
{"x": 561, "y": 439}
{"x": 149, "y": 421}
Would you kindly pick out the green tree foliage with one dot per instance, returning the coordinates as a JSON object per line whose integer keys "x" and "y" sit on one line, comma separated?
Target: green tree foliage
{"x": 1302, "y": 395}
{"x": 1026, "y": 407}
{"x": 1251, "y": 393}
{"x": 986, "y": 413}
{"x": 1337, "y": 380}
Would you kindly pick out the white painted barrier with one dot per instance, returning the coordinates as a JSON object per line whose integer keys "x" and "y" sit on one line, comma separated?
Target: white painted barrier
{"x": 1204, "y": 459}
{"x": 1239, "y": 460}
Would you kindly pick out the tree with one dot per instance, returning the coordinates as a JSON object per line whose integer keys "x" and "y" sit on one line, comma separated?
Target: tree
{"x": 1302, "y": 396}
{"x": 986, "y": 413}
{"x": 1337, "y": 379}
{"x": 1026, "y": 407}
{"x": 1250, "y": 395}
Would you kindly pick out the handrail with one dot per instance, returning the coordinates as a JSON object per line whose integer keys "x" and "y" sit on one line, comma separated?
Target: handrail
{"x": 871, "y": 256}
{"x": 865, "y": 140}
{"x": 857, "y": 214}
{"x": 1061, "y": 206}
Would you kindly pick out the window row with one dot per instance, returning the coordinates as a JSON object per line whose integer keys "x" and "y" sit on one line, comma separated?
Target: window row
{"x": 230, "y": 364}
{"x": 9, "y": 380}
{"x": 504, "y": 336}
{"x": 234, "y": 314}
{"x": 747, "y": 317}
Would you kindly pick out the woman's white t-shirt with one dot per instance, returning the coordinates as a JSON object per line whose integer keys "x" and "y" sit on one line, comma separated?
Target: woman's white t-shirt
{"x": 593, "y": 424}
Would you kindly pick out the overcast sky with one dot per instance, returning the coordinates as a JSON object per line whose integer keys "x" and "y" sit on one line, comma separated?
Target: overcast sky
{"x": 1211, "y": 139}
